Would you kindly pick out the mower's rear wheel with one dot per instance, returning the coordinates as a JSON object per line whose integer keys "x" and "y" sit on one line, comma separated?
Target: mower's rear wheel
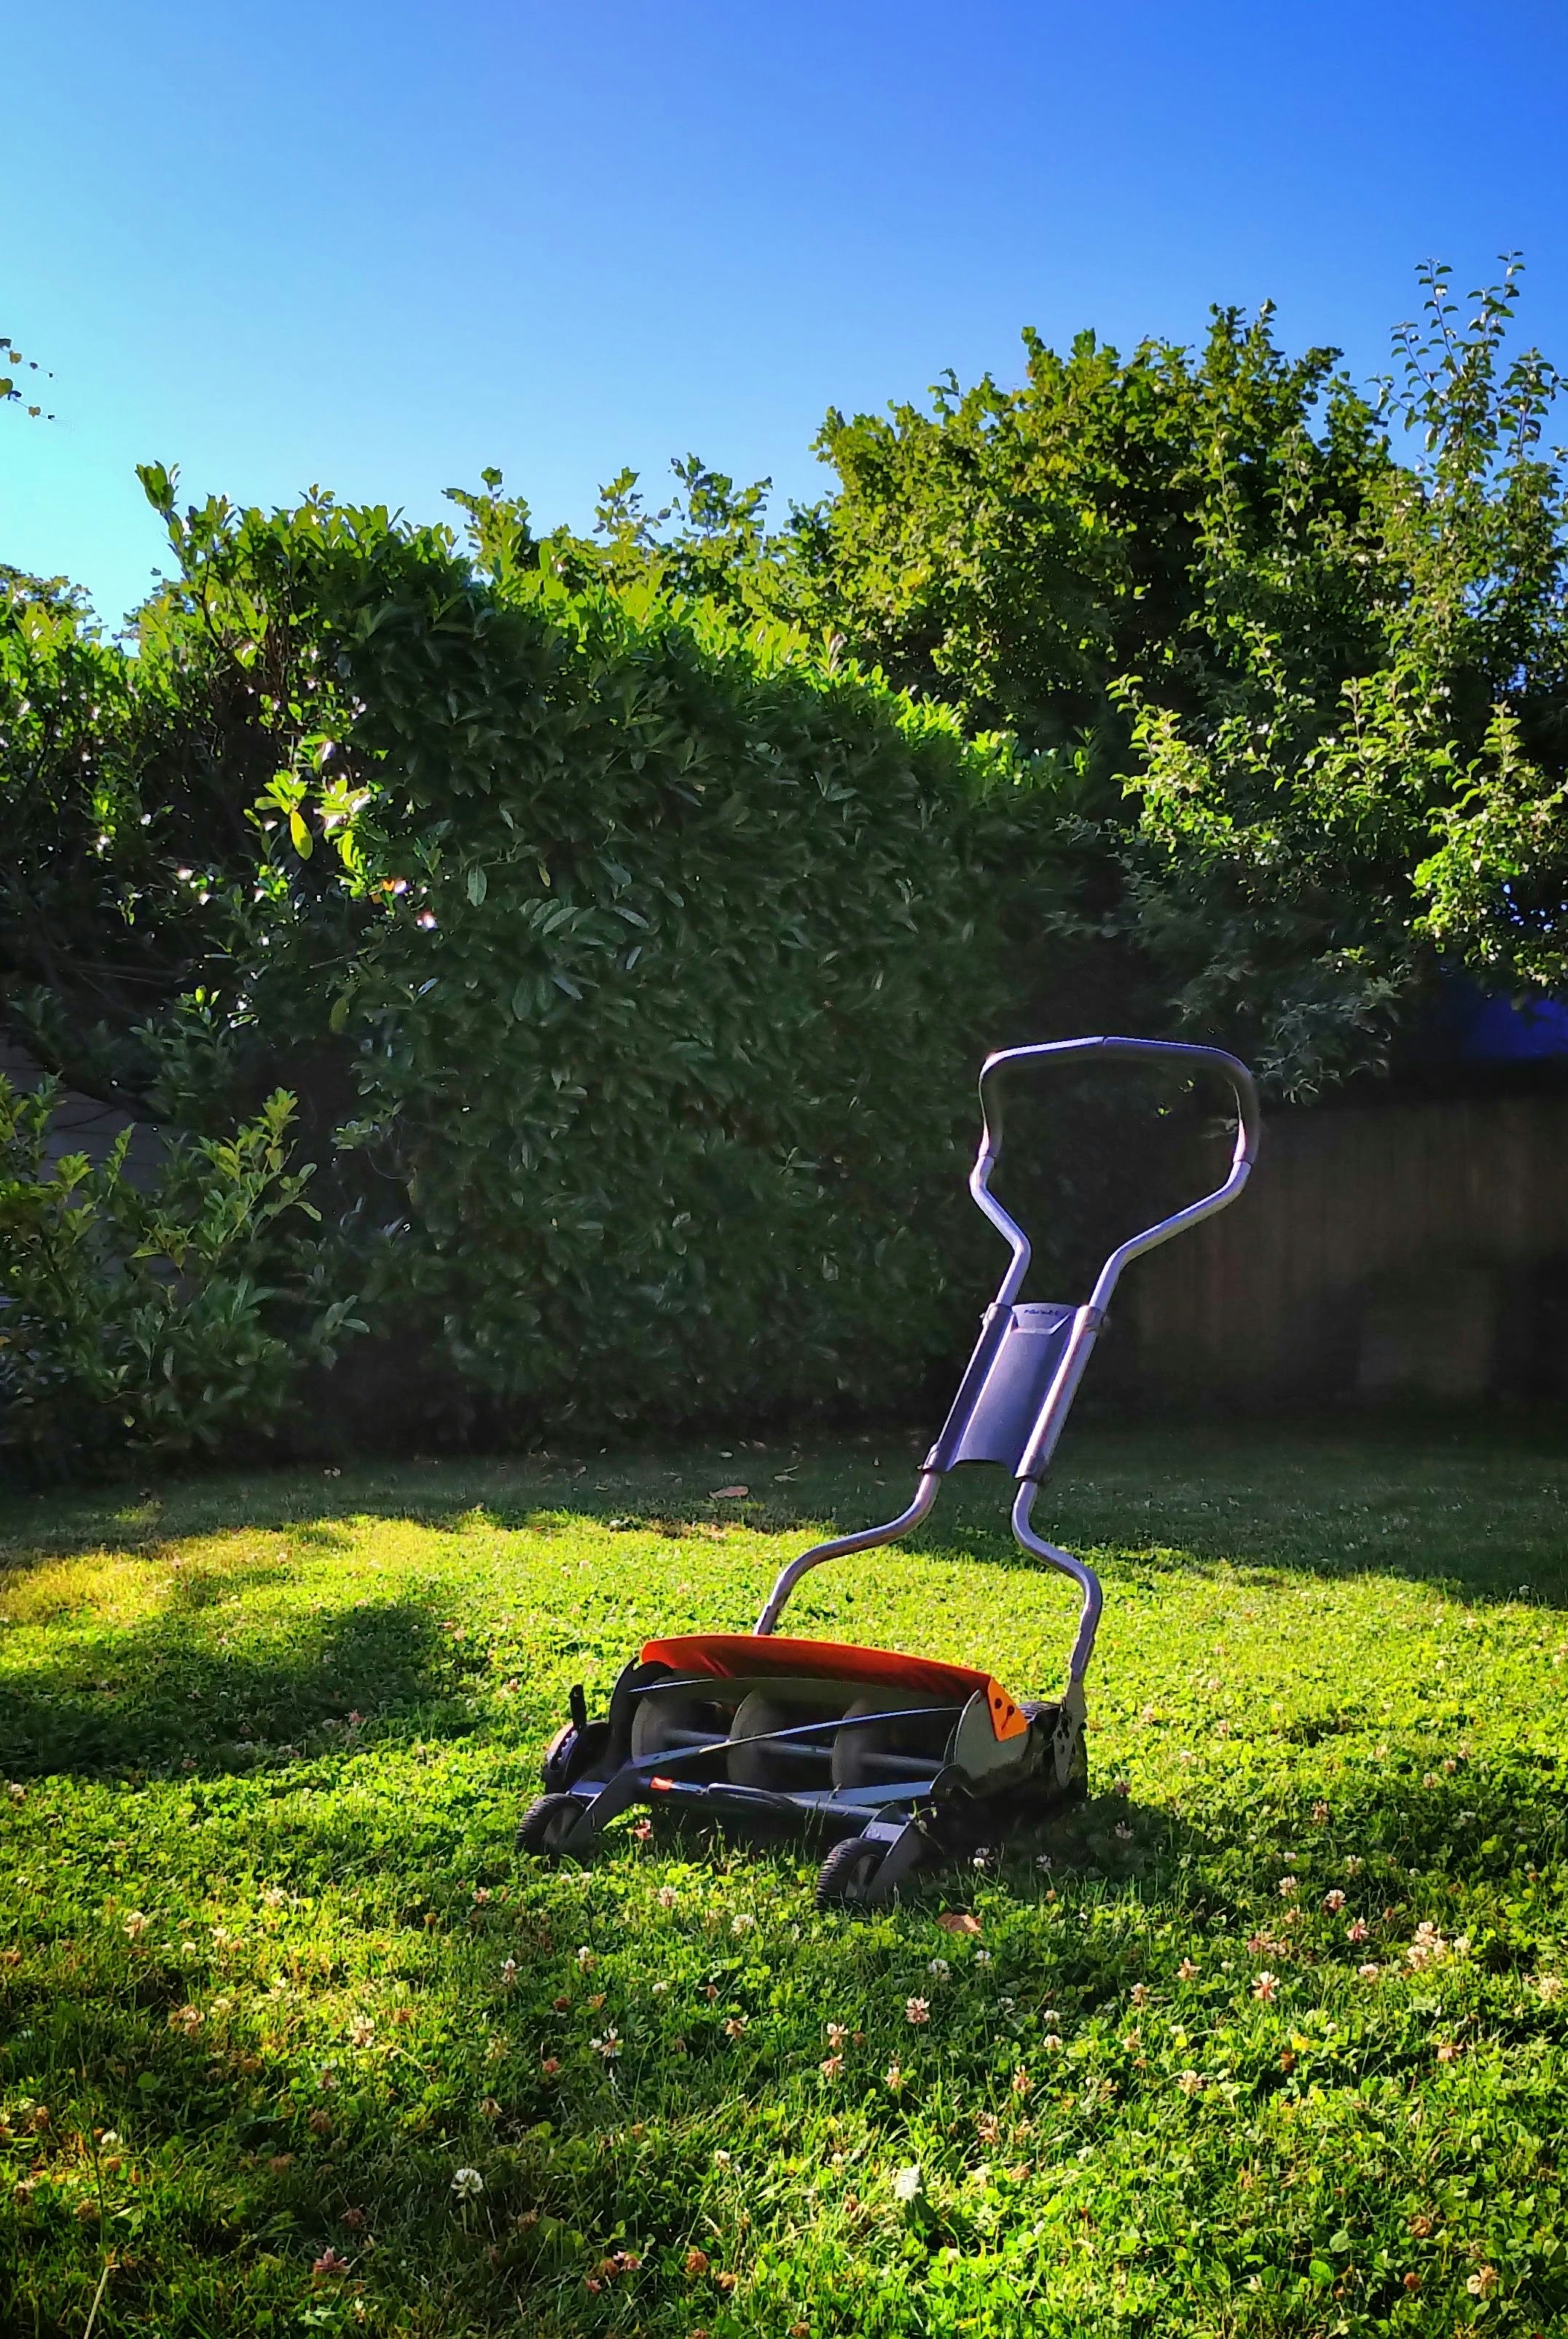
{"x": 848, "y": 1874}
{"x": 549, "y": 1825}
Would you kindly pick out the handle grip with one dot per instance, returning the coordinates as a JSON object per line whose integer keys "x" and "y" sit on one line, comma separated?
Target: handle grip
{"x": 1250, "y": 1130}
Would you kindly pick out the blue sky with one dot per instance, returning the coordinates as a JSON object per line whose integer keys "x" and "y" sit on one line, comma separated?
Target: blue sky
{"x": 379, "y": 247}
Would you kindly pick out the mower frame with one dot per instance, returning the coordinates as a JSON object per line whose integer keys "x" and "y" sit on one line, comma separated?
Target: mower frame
{"x": 670, "y": 1740}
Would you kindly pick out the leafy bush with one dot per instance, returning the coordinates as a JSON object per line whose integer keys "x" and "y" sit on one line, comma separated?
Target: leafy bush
{"x": 654, "y": 966}
{"x": 168, "y": 1322}
{"x": 1295, "y": 652}
{"x": 632, "y": 970}
{"x": 629, "y": 940}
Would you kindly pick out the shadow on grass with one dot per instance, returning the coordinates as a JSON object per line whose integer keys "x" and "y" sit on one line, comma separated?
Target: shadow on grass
{"x": 156, "y": 1697}
{"x": 1478, "y": 1510}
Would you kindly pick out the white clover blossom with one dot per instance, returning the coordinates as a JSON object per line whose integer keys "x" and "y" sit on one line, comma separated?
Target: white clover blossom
{"x": 908, "y": 2184}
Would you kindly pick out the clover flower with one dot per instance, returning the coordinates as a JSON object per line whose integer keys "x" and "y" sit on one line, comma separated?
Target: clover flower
{"x": 1356, "y": 1932}
{"x": 667, "y": 1896}
{"x": 1186, "y": 1970}
{"x": 1428, "y": 1946}
{"x": 361, "y": 2030}
{"x": 909, "y": 2184}
{"x": 1264, "y": 1986}
{"x": 917, "y": 2010}
{"x": 1334, "y": 1901}
{"x": 939, "y": 1967}
{"x": 832, "y": 2067}
{"x": 1367, "y": 1973}
{"x": 609, "y": 2045}
{"x": 467, "y": 2184}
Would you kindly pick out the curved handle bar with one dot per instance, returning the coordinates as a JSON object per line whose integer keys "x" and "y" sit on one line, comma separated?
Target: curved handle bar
{"x": 1249, "y": 1129}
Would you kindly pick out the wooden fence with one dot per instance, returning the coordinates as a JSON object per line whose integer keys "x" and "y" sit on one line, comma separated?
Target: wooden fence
{"x": 1413, "y": 1250}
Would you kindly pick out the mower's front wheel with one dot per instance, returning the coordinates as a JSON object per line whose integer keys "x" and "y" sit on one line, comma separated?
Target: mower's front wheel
{"x": 848, "y": 1874}
{"x": 549, "y": 1825}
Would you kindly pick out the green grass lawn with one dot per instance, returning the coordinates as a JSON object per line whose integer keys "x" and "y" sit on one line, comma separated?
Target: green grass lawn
{"x": 1276, "y": 2045}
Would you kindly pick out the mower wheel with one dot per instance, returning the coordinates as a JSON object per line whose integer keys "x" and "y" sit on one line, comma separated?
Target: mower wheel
{"x": 549, "y": 1825}
{"x": 848, "y": 1873}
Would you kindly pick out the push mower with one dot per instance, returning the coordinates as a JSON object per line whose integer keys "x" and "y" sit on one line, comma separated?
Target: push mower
{"x": 892, "y": 1758}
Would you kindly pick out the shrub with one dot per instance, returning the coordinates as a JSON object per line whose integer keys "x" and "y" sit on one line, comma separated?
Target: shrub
{"x": 648, "y": 967}
{"x": 631, "y": 965}
{"x": 169, "y": 1322}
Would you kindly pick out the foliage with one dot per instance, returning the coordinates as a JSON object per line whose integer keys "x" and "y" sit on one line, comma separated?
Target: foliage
{"x": 1302, "y": 704}
{"x": 1284, "y": 857}
{"x": 1020, "y": 552}
{"x": 272, "y": 1975}
{"x": 105, "y": 789}
{"x": 167, "y": 1322}
{"x": 12, "y": 391}
{"x": 628, "y": 932}
{"x": 643, "y": 963}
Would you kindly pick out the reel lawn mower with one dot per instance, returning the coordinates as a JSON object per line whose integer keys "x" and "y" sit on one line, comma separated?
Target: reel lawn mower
{"x": 892, "y": 1758}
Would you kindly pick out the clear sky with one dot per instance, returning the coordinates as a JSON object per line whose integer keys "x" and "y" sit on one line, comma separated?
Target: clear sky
{"x": 279, "y": 241}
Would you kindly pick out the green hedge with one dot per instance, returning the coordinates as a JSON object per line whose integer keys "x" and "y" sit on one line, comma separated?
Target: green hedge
{"x": 673, "y": 1077}
{"x": 632, "y": 972}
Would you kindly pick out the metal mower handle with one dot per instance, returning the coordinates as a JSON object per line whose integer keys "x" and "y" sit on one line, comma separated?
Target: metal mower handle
{"x": 1087, "y": 1322}
{"x": 1249, "y": 1129}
